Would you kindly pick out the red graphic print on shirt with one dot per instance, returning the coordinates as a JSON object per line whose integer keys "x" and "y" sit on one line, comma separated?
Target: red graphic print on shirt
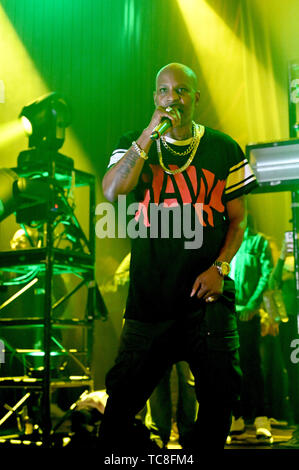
{"x": 184, "y": 188}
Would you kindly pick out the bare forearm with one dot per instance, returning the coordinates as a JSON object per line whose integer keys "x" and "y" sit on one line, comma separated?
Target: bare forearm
{"x": 123, "y": 176}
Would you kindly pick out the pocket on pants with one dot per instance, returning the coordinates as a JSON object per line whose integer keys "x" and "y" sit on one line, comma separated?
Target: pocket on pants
{"x": 221, "y": 325}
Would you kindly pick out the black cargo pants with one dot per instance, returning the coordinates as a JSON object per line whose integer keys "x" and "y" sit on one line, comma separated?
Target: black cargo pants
{"x": 208, "y": 341}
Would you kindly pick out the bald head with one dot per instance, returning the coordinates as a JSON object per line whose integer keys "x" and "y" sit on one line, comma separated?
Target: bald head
{"x": 176, "y": 86}
{"x": 181, "y": 69}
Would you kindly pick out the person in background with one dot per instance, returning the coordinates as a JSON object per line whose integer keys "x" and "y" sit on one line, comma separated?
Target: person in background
{"x": 283, "y": 278}
{"x": 251, "y": 268}
{"x": 159, "y": 410}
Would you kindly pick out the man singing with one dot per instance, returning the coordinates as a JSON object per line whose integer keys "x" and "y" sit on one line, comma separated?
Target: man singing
{"x": 180, "y": 305}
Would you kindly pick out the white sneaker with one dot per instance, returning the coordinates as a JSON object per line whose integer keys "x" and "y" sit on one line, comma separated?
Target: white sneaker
{"x": 237, "y": 426}
{"x": 263, "y": 428}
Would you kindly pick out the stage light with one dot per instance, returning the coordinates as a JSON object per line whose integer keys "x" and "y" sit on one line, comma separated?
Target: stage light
{"x": 8, "y": 202}
{"x": 45, "y": 121}
{"x": 26, "y": 125}
{"x": 18, "y": 192}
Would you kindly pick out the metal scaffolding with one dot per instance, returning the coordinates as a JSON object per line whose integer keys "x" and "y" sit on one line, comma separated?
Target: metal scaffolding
{"x": 64, "y": 248}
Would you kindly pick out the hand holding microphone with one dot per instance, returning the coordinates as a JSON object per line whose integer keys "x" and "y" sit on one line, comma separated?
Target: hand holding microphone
{"x": 165, "y": 124}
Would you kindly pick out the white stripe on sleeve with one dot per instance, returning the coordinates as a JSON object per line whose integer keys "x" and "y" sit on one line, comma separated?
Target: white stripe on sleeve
{"x": 116, "y": 156}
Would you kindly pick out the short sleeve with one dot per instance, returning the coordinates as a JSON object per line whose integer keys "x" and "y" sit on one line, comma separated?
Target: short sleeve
{"x": 241, "y": 178}
{"x": 122, "y": 147}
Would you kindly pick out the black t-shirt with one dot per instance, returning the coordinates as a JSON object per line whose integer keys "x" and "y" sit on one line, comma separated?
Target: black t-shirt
{"x": 179, "y": 221}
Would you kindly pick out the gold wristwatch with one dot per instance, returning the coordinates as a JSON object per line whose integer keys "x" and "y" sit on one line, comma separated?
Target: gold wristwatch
{"x": 223, "y": 267}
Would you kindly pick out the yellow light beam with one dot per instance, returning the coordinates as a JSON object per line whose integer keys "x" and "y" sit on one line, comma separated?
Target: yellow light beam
{"x": 218, "y": 51}
{"x": 10, "y": 131}
{"x": 24, "y": 84}
{"x": 244, "y": 91}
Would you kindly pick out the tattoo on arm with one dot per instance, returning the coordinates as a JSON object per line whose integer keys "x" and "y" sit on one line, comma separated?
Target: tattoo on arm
{"x": 127, "y": 164}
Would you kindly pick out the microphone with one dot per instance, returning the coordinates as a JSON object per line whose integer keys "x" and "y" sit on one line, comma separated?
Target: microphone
{"x": 161, "y": 128}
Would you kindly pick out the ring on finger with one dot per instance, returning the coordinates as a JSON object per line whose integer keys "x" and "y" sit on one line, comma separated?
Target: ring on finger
{"x": 211, "y": 299}
{"x": 168, "y": 109}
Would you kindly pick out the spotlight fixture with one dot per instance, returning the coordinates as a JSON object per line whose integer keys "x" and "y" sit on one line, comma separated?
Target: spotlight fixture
{"x": 18, "y": 193}
{"x": 26, "y": 190}
{"x": 8, "y": 203}
{"x": 45, "y": 120}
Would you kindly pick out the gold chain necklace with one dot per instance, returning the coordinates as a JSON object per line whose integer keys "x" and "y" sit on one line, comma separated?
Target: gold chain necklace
{"x": 199, "y": 132}
{"x": 188, "y": 150}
